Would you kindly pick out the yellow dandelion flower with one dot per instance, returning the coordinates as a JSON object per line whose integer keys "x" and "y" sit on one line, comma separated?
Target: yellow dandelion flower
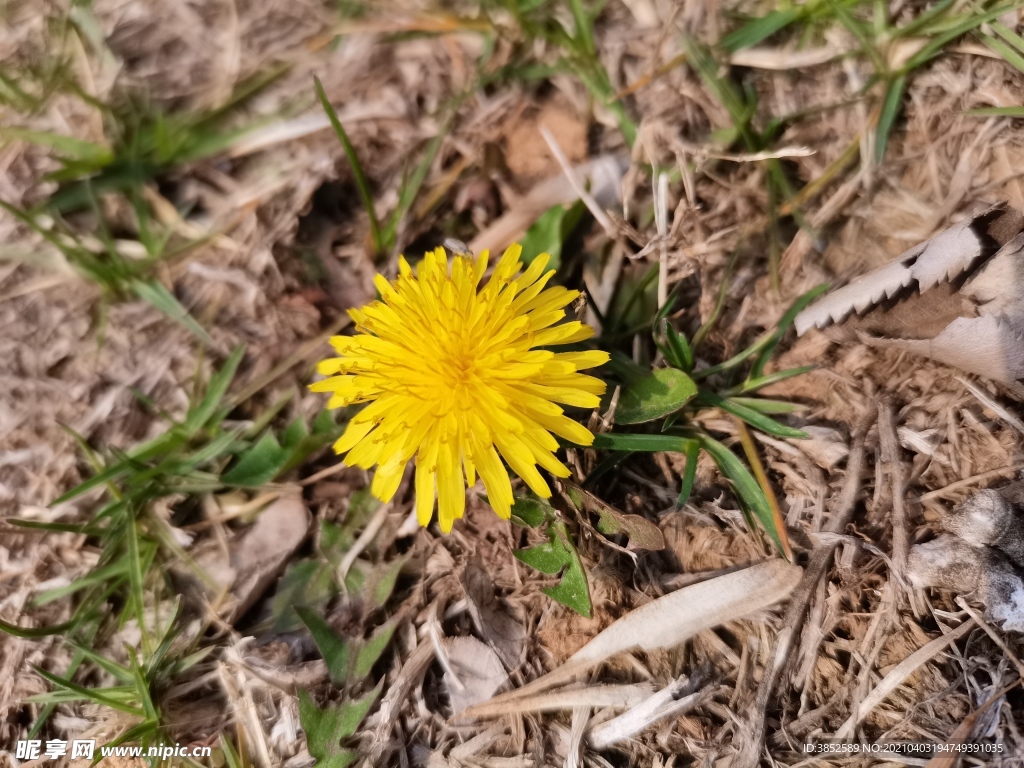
{"x": 454, "y": 376}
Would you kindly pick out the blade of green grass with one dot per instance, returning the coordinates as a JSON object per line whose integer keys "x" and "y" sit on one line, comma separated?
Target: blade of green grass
{"x": 157, "y": 294}
{"x": 778, "y": 526}
{"x": 967, "y": 23}
{"x": 90, "y": 694}
{"x": 1009, "y": 53}
{"x": 890, "y": 109}
{"x": 996, "y": 112}
{"x": 689, "y": 472}
{"x": 745, "y": 485}
{"x": 357, "y": 169}
{"x": 611, "y": 441}
{"x": 752, "y": 417}
{"x": 757, "y": 30}
{"x": 84, "y": 151}
{"x": 783, "y": 325}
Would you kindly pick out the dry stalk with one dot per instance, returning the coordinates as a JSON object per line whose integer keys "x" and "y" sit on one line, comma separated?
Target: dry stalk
{"x": 753, "y": 729}
{"x": 890, "y": 450}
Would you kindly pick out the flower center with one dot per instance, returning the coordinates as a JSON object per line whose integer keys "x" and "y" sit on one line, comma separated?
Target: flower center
{"x": 459, "y": 365}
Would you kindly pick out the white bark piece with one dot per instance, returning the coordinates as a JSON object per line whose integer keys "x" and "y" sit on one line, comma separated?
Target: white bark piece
{"x": 657, "y": 707}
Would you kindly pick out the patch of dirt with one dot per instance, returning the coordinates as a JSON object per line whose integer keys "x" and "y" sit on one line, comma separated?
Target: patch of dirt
{"x": 527, "y": 154}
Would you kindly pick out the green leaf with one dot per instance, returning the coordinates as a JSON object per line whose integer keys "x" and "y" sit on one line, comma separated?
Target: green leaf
{"x": 361, "y": 506}
{"x": 357, "y": 169}
{"x": 157, "y": 294}
{"x": 382, "y": 581}
{"x": 336, "y": 652}
{"x": 306, "y": 447}
{"x": 259, "y": 465}
{"x": 745, "y": 485}
{"x": 294, "y": 434}
{"x": 92, "y": 154}
{"x": 664, "y": 391}
{"x": 890, "y": 109}
{"x": 326, "y": 728}
{"x": 689, "y": 473}
{"x": 680, "y": 354}
{"x": 307, "y": 582}
{"x": 756, "y": 30}
{"x": 749, "y": 415}
{"x": 530, "y": 512}
{"x": 371, "y": 651}
{"x": 642, "y": 443}
{"x": 550, "y": 231}
{"x": 325, "y": 423}
{"x": 558, "y": 555}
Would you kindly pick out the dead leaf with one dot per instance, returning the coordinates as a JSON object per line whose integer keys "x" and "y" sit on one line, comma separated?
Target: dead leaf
{"x": 667, "y": 622}
{"x": 473, "y": 673}
{"x": 956, "y": 298}
{"x": 949, "y": 757}
{"x": 824, "y": 446}
{"x": 528, "y": 156}
{"x": 642, "y": 533}
{"x": 257, "y": 557}
{"x": 678, "y": 616}
{"x": 492, "y": 616}
{"x": 602, "y": 176}
{"x": 613, "y": 696}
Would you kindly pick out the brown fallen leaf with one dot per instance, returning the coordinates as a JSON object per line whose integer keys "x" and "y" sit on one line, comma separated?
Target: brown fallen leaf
{"x": 491, "y": 615}
{"x": 257, "y": 557}
{"x": 642, "y": 533}
{"x": 473, "y": 672}
{"x": 950, "y": 755}
{"x": 601, "y": 176}
{"x": 957, "y": 298}
{"x": 667, "y": 622}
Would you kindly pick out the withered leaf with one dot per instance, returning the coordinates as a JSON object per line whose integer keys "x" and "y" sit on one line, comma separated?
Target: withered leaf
{"x": 642, "y": 533}
{"x": 491, "y": 615}
{"x": 258, "y": 556}
{"x": 957, "y": 298}
{"x": 474, "y": 672}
